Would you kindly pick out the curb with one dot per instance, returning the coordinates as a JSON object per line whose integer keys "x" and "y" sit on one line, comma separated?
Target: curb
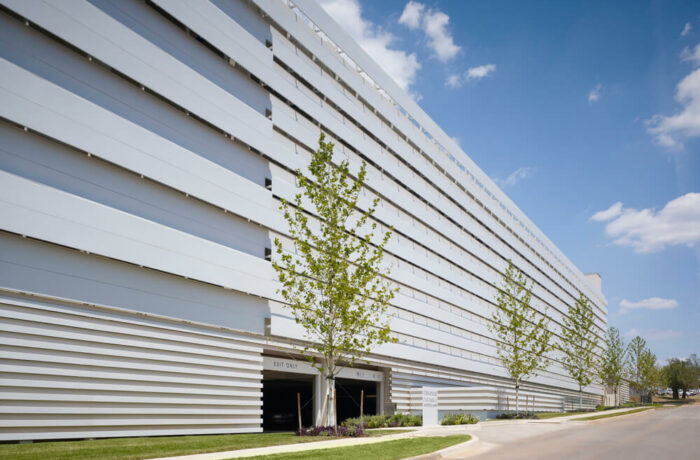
{"x": 447, "y": 451}
{"x": 621, "y": 414}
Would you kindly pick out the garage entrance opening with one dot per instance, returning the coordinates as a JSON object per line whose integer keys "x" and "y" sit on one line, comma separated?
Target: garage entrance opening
{"x": 280, "y": 400}
{"x": 348, "y": 394}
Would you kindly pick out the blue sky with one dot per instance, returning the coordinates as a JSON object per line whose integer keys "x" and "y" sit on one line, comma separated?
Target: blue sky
{"x": 588, "y": 116}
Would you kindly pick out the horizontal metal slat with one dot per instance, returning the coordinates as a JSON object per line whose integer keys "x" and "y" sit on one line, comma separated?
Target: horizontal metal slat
{"x": 51, "y": 215}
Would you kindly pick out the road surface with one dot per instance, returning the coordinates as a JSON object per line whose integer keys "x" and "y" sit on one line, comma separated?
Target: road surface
{"x": 657, "y": 434}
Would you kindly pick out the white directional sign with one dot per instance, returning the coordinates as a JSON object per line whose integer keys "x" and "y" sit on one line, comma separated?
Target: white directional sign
{"x": 430, "y": 406}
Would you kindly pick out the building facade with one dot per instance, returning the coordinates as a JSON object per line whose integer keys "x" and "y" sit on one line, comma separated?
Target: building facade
{"x": 145, "y": 146}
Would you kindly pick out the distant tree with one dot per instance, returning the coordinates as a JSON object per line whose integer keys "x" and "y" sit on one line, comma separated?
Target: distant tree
{"x": 611, "y": 366}
{"x": 679, "y": 375}
{"x": 334, "y": 285}
{"x": 641, "y": 366}
{"x": 523, "y": 334}
{"x": 578, "y": 344}
{"x": 695, "y": 364}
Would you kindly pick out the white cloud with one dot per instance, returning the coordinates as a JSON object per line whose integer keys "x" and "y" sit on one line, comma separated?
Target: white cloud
{"x": 610, "y": 213}
{"x": 411, "y": 16}
{"x": 400, "y": 65}
{"x": 652, "y": 303}
{"x": 516, "y": 176}
{"x": 653, "y": 334}
{"x": 477, "y": 73}
{"x": 692, "y": 56}
{"x": 473, "y": 73}
{"x": 594, "y": 94}
{"x": 647, "y": 230}
{"x": 670, "y": 131}
{"x": 434, "y": 24}
{"x": 439, "y": 37}
{"x": 454, "y": 81}
{"x": 686, "y": 29}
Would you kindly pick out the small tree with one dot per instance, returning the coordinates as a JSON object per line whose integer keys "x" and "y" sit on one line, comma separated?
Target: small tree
{"x": 611, "y": 368}
{"x": 641, "y": 366}
{"x": 334, "y": 285}
{"x": 635, "y": 362}
{"x": 650, "y": 373}
{"x": 578, "y": 344}
{"x": 523, "y": 335}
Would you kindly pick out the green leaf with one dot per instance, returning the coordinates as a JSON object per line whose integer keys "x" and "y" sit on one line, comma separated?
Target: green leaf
{"x": 334, "y": 284}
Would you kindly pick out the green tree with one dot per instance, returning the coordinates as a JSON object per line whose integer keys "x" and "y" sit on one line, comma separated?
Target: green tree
{"x": 641, "y": 366}
{"x": 523, "y": 334}
{"x": 679, "y": 375}
{"x": 635, "y": 362}
{"x": 651, "y": 375}
{"x": 334, "y": 285}
{"x": 695, "y": 364}
{"x": 578, "y": 344}
{"x": 611, "y": 367}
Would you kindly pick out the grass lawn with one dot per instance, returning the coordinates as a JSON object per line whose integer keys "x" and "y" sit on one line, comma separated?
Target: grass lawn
{"x": 139, "y": 448}
{"x": 389, "y": 450}
{"x": 597, "y": 417}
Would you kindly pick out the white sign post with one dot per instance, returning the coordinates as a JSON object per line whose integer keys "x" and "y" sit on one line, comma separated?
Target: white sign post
{"x": 430, "y": 406}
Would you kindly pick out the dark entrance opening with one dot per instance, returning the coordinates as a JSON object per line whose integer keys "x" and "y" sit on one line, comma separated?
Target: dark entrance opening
{"x": 280, "y": 401}
{"x": 348, "y": 398}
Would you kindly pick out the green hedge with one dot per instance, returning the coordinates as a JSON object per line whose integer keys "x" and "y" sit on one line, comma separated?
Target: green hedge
{"x": 384, "y": 421}
{"x": 459, "y": 419}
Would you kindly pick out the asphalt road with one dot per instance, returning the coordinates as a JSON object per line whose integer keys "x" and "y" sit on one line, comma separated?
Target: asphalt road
{"x": 658, "y": 434}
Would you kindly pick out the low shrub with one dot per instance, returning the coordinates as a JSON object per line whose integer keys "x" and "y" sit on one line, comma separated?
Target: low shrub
{"x": 340, "y": 432}
{"x": 384, "y": 421}
{"x": 516, "y": 416}
{"x": 459, "y": 419}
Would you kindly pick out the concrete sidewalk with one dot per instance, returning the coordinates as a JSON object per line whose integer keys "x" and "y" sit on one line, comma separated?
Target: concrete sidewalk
{"x": 278, "y": 449}
{"x": 487, "y": 434}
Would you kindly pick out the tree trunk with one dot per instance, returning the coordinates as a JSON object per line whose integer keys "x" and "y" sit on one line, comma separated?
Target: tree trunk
{"x": 362, "y": 407}
{"x": 331, "y": 418}
{"x": 517, "y": 401}
{"x": 334, "y": 416}
{"x": 328, "y": 407}
{"x": 322, "y": 421}
{"x": 299, "y": 412}
{"x": 580, "y": 398}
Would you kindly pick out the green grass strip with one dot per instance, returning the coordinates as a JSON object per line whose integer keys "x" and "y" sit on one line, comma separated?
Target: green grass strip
{"x": 598, "y": 417}
{"x": 163, "y": 446}
{"x": 545, "y": 415}
{"x": 389, "y": 450}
